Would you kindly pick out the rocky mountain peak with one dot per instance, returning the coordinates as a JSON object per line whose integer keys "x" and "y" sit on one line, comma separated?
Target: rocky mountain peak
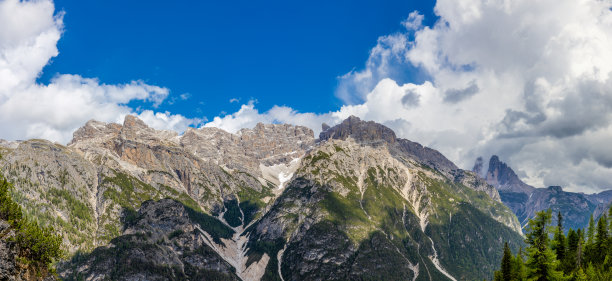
{"x": 95, "y": 129}
{"x": 367, "y": 132}
{"x": 478, "y": 165}
{"x": 375, "y": 134}
{"x": 136, "y": 129}
{"x": 503, "y": 177}
{"x": 132, "y": 122}
{"x": 100, "y": 134}
{"x": 555, "y": 189}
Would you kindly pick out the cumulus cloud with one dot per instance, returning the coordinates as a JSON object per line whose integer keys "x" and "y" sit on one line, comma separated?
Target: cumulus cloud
{"x": 386, "y": 59}
{"x": 29, "y": 32}
{"x": 248, "y": 116}
{"x": 457, "y": 95}
{"x": 530, "y": 81}
{"x": 411, "y": 99}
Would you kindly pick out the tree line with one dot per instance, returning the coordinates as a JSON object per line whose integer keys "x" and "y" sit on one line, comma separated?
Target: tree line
{"x": 38, "y": 246}
{"x": 550, "y": 254}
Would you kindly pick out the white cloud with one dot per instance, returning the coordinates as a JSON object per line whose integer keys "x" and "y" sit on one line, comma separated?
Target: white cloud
{"x": 167, "y": 121}
{"x": 530, "y": 81}
{"x": 185, "y": 96}
{"x": 414, "y": 21}
{"x": 29, "y": 32}
{"x": 248, "y": 116}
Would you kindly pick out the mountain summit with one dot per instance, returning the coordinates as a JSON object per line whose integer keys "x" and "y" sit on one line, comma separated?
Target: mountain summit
{"x": 526, "y": 200}
{"x": 267, "y": 203}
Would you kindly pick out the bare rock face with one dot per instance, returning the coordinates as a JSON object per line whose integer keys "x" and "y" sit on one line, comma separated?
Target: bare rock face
{"x": 84, "y": 188}
{"x": 525, "y": 200}
{"x": 349, "y": 204}
{"x": 371, "y": 133}
{"x": 261, "y": 203}
{"x": 163, "y": 241}
{"x": 504, "y": 178}
{"x": 472, "y": 179}
{"x": 55, "y": 182}
{"x": 267, "y": 144}
{"x": 95, "y": 130}
{"x": 361, "y": 131}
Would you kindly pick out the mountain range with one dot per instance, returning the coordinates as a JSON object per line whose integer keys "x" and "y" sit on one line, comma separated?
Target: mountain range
{"x": 526, "y": 200}
{"x": 268, "y": 203}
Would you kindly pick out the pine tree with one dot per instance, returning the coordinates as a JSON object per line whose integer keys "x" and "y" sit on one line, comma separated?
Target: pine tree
{"x": 580, "y": 251}
{"x": 541, "y": 259}
{"x": 518, "y": 269}
{"x": 506, "y": 264}
{"x": 570, "y": 262}
{"x": 610, "y": 234}
{"x": 590, "y": 231}
{"x": 590, "y": 240}
{"x": 579, "y": 275}
{"x": 591, "y": 273}
{"x": 601, "y": 241}
{"x": 559, "y": 239}
{"x": 610, "y": 219}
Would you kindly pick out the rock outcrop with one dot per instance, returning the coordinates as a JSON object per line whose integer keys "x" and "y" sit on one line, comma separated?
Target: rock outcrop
{"x": 525, "y": 200}
{"x": 161, "y": 242}
{"x": 264, "y": 203}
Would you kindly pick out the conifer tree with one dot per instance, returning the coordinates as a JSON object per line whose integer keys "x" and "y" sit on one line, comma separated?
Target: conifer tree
{"x": 518, "y": 269}
{"x": 559, "y": 239}
{"x": 580, "y": 250}
{"x": 579, "y": 258}
{"x": 590, "y": 240}
{"x": 610, "y": 219}
{"x": 506, "y": 264}
{"x": 601, "y": 241}
{"x": 590, "y": 231}
{"x": 541, "y": 259}
{"x": 570, "y": 262}
{"x": 579, "y": 275}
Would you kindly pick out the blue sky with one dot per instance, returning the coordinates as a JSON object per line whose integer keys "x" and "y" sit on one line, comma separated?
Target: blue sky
{"x": 530, "y": 81}
{"x": 276, "y": 52}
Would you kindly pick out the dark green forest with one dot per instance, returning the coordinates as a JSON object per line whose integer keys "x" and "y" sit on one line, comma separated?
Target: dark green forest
{"x": 38, "y": 247}
{"x": 552, "y": 254}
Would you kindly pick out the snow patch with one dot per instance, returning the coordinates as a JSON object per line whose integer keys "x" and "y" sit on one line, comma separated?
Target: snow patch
{"x": 280, "y": 174}
{"x": 284, "y": 177}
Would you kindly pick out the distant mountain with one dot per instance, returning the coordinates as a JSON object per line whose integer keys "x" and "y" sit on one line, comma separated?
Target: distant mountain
{"x": 525, "y": 200}
{"x": 268, "y": 203}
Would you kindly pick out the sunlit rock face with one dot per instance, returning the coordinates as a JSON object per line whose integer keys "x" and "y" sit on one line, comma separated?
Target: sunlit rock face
{"x": 270, "y": 202}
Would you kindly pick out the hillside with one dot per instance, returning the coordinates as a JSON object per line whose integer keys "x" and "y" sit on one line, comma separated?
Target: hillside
{"x": 269, "y": 203}
{"x": 525, "y": 200}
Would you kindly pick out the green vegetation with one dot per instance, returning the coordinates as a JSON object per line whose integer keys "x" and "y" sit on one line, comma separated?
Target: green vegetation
{"x": 125, "y": 263}
{"x": 128, "y": 191}
{"x": 39, "y": 246}
{"x": 175, "y": 234}
{"x": 571, "y": 257}
{"x": 232, "y": 213}
{"x": 258, "y": 248}
{"x": 77, "y": 208}
{"x": 321, "y": 155}
{"x": 251, "y": 201}
{"x": 214, "y": 227}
